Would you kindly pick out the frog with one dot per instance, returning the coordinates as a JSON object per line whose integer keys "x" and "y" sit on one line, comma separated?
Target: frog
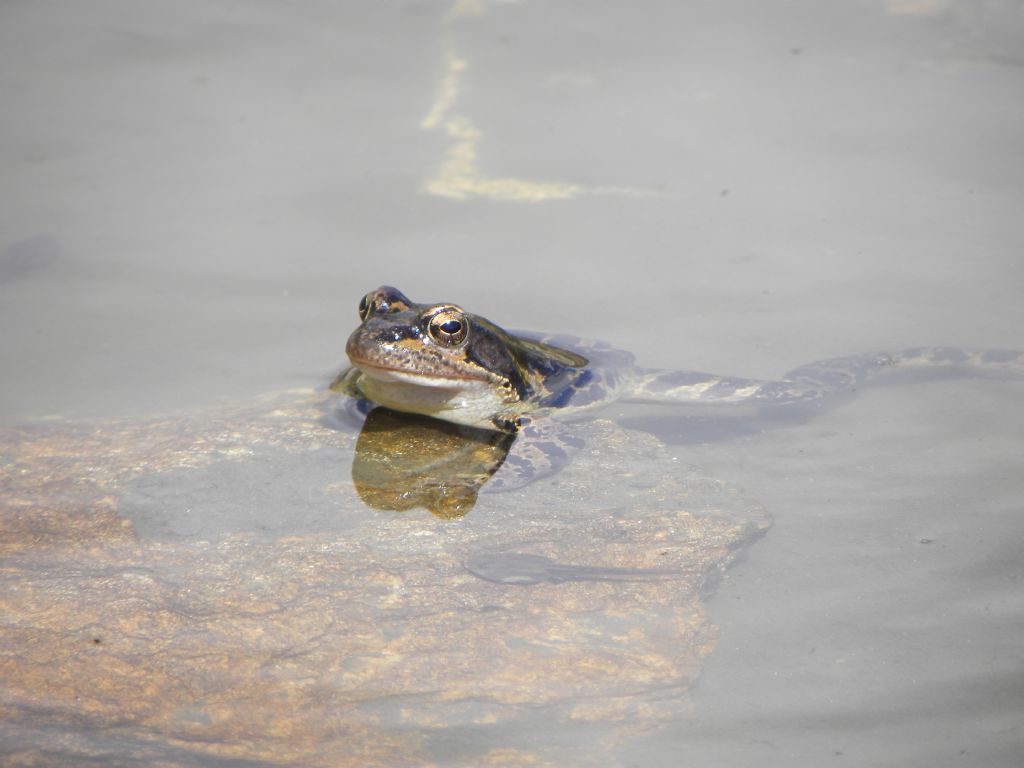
{"x": 439, "y": 360}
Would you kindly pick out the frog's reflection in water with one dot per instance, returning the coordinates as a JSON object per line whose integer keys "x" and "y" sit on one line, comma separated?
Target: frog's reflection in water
{"x": 403, "y": 461}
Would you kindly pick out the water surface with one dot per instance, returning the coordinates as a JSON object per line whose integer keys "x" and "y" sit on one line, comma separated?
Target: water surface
{"x": 195, "y": 198}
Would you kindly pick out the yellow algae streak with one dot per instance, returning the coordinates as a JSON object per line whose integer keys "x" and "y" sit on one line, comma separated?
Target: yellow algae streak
{"x": 447, "y": 93}
{"x": 461, "y": 8}
{"x": 459, "y": 176}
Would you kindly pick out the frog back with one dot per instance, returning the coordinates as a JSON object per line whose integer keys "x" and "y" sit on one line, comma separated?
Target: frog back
{"x": 606, "y": 377}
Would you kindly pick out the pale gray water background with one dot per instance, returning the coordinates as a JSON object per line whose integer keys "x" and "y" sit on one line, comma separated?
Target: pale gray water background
{"x": 196, "y": 195}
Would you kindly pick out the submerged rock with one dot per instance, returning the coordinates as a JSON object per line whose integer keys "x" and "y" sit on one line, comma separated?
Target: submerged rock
{"x": 211, "y": 589}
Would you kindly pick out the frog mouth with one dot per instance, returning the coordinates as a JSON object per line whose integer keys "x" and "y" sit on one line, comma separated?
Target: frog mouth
{"x": 391, "y": 374}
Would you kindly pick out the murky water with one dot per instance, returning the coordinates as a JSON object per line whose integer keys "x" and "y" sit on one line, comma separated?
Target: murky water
{"x": 195, "y": 198}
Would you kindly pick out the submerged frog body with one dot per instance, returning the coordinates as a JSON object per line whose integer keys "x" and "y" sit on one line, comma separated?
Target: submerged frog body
{"x": 441, "y": 361}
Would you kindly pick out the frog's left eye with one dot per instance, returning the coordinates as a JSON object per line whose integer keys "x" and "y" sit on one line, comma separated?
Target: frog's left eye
{"x": 448, "y": 328}
{"x": 372, "y": 303}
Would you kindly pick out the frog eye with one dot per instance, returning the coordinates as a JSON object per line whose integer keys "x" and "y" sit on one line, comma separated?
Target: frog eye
{"x": 448, "y": 328}
{"x": 365, "y": 306}
{"x": 384, "y": 301}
